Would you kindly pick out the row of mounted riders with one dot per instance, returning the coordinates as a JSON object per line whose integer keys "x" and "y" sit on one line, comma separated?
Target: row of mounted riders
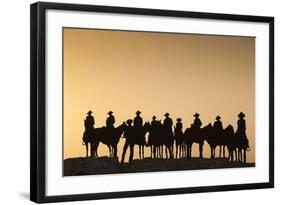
{"x": 161, "y": 137}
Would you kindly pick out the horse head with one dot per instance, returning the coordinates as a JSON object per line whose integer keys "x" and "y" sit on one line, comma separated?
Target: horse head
{"x": 146, "y": 126}
{"x": 229, "y": 130}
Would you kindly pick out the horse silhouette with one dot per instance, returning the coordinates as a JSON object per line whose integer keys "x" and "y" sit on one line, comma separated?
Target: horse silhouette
{"x": 159, "y": 136}
{"x": 236, "y": 144}
{"x": 155, "y": 139}
{"x": 179, "y": 139}
{"x": 194, "y": 135}
{"x": 135, "y": 136}
{"x": 162, "y": 135}
{"x": 242, "y": 144}
{"x": 108, "y": 136}
{"x": 222, "y": 139}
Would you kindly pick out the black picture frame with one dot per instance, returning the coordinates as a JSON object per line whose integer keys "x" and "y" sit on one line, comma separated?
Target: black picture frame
{"x": 38, "y": 100}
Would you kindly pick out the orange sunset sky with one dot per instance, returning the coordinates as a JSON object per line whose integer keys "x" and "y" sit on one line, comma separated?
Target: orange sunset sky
{"x": 155, "y": 73}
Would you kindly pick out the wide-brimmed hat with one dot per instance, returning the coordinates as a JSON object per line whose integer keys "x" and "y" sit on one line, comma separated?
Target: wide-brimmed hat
{"x": 196, "y": 115}
{"x": 154, "y": 117}
{"x": 138, "y": 112}
{"x": 90, "y": 112}
{"x": 241, "y": 115}
{"x": 167, "y": 114}
{"x": 129, "y": 121}
{"x": 110, "y": 112}
{"x": 218, "y": 117}
{"x": 178, "y": 119}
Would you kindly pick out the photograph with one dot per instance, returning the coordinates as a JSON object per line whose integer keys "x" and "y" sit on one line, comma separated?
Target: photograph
{"x": 139, "y": 101}
{"x": 134, "y": 102}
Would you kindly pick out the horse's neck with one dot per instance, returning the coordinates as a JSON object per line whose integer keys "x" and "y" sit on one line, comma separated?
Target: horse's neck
{"x": 120, "y": 129}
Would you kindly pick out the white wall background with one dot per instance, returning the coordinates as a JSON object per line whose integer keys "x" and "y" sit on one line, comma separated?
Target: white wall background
{"x": 14, "y": 101}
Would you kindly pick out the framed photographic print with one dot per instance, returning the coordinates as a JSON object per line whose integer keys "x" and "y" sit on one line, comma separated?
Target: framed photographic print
{"x": 129, "y": 102}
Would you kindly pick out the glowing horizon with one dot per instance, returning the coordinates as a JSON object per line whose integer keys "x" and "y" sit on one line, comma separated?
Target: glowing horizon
{"x": 155, "y": 73}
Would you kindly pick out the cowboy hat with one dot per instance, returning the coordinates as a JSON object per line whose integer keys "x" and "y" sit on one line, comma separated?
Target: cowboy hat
{"x": 241, "y": 115}
{"x": 110, "y": 112}
{"x": 196, "y": 115}
{"x": 154, "y": 117}
{"x": 138, "y": 112}
{"x": 90, "y": 112}
{"x": 167, "y": 114}
{"x": 218, "y": 117}
{"x": 178, "y": 119}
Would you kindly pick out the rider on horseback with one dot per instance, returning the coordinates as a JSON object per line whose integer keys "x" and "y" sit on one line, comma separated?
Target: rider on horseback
{"x": 152, "y": 131}
{"x": 241, "y": 125}
{"x": 179, "y": 124}
{"x": 138, "y": 120}
{"x": 178, "y": 130}
{"x": 153, "y": 122}
{"x": 168, "y": 122}
{"x": 110, "y": 120}
{"x": 197, "y": 122}
{"x": 218, "y": 126}
{"x": 90, "y": 121}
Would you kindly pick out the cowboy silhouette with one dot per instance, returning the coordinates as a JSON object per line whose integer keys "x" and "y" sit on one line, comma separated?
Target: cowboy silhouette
{"x": 90, "y": 121}
{"x": 197, "y": 122}
{"x": 127, "y": 135}
{"x": 138, "y": 120}
{"x": 168, "y": 122}
{"x": 218, "y": 124}
{"x": 179, "y": 124}
{"x": 241, "y": 125}
{"x": 153, "y": 122}
{"x": 110, "y": 120}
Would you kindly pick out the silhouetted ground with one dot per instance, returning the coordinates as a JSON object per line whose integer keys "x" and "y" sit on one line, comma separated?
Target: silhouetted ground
{"x": 106, "y": 165}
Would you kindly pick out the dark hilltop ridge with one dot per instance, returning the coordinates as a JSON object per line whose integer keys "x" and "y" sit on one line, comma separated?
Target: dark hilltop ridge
{"x": 110, "y": 165}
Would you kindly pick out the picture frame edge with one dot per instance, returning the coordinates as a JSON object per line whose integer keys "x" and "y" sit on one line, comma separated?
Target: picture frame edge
{"x": 38, "y": 108}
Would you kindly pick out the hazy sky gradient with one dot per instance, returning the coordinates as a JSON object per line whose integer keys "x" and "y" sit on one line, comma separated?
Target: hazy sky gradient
{"x": 156, "y": 73}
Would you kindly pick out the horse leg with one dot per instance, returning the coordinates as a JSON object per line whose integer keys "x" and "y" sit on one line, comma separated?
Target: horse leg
{"x": 166, "y": 151}
{"x": 86, "y": 144}
{"x": 92, "y": 150}
{"x": 171, "y": 152}
{"x": 176, "y": 151}
{"x": 131, "y": 153}
{"x": 142, "y": 149}
{"x": 239, "y": 155}
{"x": 201, "y": 150}
{"x": 114, "y": 150}
{"x": 180, "y": 152}
{"x": 183, "y": 151}
{"x": 126, "y": 145}
{"x": 189, "y": 151}
{"x": 220, "y": 152}
{"x": 244, "y": 155}
{"x": 223, "y": 151}
{"x": 96, "y": 152}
